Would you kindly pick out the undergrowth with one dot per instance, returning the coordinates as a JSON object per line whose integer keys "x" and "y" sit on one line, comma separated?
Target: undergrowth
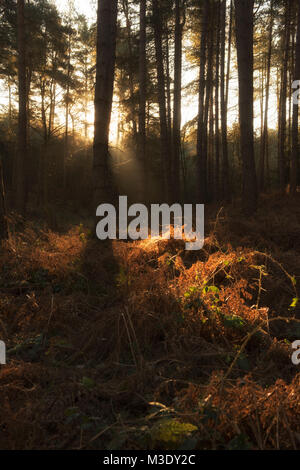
{"x": 144, "y": 345}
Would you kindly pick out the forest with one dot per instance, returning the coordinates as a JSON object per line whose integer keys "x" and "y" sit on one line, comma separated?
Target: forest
{"x": 140, "y": 344}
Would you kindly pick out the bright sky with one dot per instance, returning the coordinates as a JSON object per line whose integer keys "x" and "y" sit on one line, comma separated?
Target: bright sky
{"x": 86, "y": 7}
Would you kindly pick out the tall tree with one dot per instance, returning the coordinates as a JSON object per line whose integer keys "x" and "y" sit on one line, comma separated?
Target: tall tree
{"x": 3, "y": 215}
{"x": 217, "y": 103}
{"x": 224, "y": 97}
{"x": 244, "y": 44}
{"x": 179, "y": 25}
{"x": 68, "y": 83}
{"x": 208, "y": 103}
{"x": 201, "y": 158}
{"x": 105, "y": 71}
{"x": 295, "y": 125}
{"x": 129, "y": 41}
{"x": 264, "y": 156}
{"x": 282, "y": 131}
{"x": 164, "y": 133}
{"x": 20, "y": 167}
{"x": 143, "y": 94}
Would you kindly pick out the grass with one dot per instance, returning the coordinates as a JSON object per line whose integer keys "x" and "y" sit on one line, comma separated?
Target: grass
{"x": 144, "y": 345}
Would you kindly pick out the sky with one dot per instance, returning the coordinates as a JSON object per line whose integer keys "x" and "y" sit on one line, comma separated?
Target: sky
{"x": 86, "y": 7}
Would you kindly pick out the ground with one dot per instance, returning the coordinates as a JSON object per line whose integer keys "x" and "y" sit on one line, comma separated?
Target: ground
{"x": 147, "y": 346}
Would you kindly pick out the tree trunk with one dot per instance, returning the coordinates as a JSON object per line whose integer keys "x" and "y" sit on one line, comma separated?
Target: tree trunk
{"x": 217, "y": 106}
{"x": 244, "y": 42}
{"x": 3, "y": 214}
{"x": 179, "y": 25}
{"x": 142, "y": 97}
{"x": 52, "y": 107}
{"x": 283, "y": 98}
{"x": 168, "y": 83}
{"x": 43, "y": 174}
{"x": 130, "y": 68}
{"x": 164, "y": 134}
{"x": 105, "y": 70}
{"x": 67, "y": 107}
{"x": 9, "y": 105}
{"x": 201, "y": 166}
{"x": 212, "y": 150}
{"x": 20, "y": 168}
{"x": 265, "y": 137}
{"x": 224, "y": 98}
{"x": 295, "y": 129}
{"x": 208, "y": 101}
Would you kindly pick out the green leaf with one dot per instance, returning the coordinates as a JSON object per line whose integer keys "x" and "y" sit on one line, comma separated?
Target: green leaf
{"x": 233, "y": 321}
{"x": 171, "y": 433}
{"x": 212, "y": 289}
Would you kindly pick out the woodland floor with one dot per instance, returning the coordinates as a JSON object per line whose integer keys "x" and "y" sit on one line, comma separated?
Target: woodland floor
{"x": 147, "y": 346}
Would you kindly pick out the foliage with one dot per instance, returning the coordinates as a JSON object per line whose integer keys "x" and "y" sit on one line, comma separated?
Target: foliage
{"x": 219, "y": 377}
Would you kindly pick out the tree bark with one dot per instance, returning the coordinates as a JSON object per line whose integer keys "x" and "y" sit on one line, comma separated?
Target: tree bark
{"x": 21, "y": 157}
{"x": 295, "y": 124}
{"x": 225, "y": 188}
{"x": 283, "y": 97}
{"x": 3, "y": 214}
{"x": 265, "y": 136}
{"x": 130, "y": 69}
{"x": 168, "y": 81}
{"x": 164, "y": 134}
{"x": 208, "y": 101}
{"x": 201, "y": 162}
{"x": 244, "y": 42}
{"x": 67, "y": 108}
{"x": 143, "y": 96}
{"x": 105, "y": 71}
{"x": 179, "y": 25}
{"x": 217, "y": 105}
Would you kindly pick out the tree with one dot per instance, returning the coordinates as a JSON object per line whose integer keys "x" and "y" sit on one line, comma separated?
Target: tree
{"x": 244, "y": 44}
{"x": 208, "y": 104}
{"x": 217, "y": 103}
{"x": 8, "y": 63}
{"x": 264, "y": 155}
{"x": 68, "y": 86}
{"x": 20, "y": 167}
{"x": 142, "y": 94}
{"x": 105, "y": 71}
{"x": 179, "y": 25}
{"x": 125, "y": 6}
{"x": 224, "y": 98}
{"x": 295, "y": 124}
{"x": 3, "y": 215}
{"x": 282, "y": 131}
{"x": 51, "y": 43}
{"x": 164, "y": 133}
{"x": 201, "y": 128}
{"x": 84, "y": 59}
